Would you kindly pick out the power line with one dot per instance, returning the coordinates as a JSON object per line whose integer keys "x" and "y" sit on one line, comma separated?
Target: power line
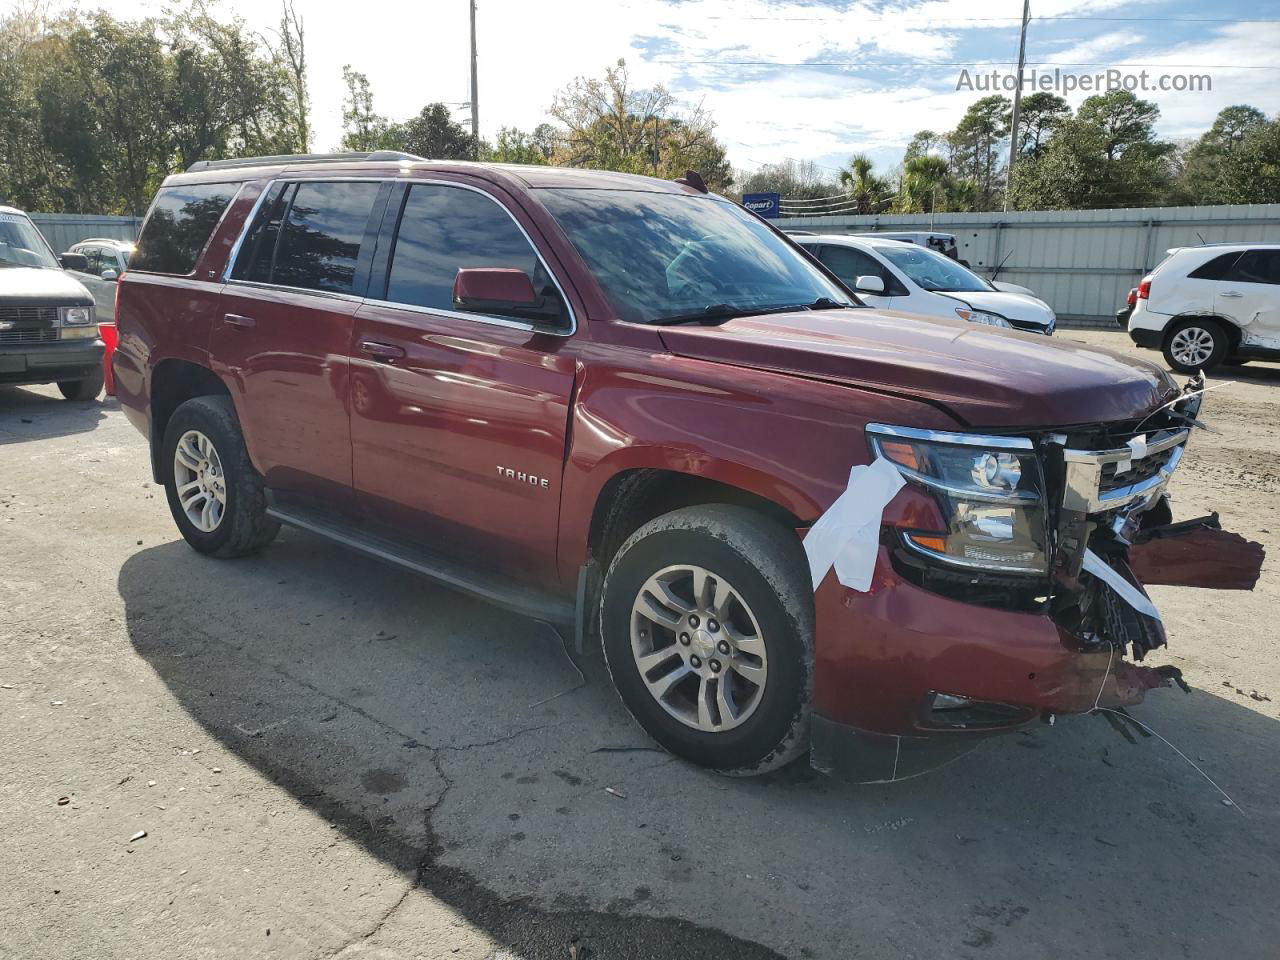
{"x": 896, "y": 19}
{"x": 863, "y": 64}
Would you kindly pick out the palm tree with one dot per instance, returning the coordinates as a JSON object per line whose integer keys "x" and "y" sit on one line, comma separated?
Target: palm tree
{"x": 859, "y": 181}
{"x": 924, "y": 184}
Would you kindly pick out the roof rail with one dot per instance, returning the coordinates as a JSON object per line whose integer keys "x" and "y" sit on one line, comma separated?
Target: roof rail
{"x": 292, "y": 158}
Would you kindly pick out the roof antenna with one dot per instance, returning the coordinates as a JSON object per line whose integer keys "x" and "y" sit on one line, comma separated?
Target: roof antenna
{"x": 692, "y": 178}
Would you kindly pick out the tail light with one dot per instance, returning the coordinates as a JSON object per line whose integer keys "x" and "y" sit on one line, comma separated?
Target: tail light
{"x": 1144, "y": 289}
{"x": 1132, "y": 298}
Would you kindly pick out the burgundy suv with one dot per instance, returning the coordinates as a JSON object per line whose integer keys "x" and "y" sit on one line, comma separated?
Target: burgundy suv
{"x": 632, "y": 406}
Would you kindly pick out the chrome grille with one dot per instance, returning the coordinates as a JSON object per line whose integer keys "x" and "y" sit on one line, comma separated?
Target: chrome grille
{"x": 29, "y": 315}
{"x": 29, "y": 336}
{"x": 1096, "y": 482}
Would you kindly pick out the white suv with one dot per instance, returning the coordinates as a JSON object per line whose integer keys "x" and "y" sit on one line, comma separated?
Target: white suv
{"x": 902, "y": 276}
{"x": 1212, "y": 304}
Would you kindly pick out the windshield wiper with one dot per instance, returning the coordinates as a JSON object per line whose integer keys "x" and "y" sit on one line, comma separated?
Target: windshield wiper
{"x": 826, "y": 303}
{"x": 718, "y": 313}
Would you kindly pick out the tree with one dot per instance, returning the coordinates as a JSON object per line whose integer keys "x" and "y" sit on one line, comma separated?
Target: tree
{"x": 924, "y": 143}
{"x": 432, "y": 133}
{"x": 363, "y": 129}
{"x": 515, "y": 146}
{"x": 1039, "y": 115}
{"x": 790, "y": 179}
{"x": 865, "y": 189}
{"x": 978, "y": 146}
{"x": 924, "y": 185}
{"x": 611, "y": 125}
{"x": 293, "y": 52}
{"x": 1107, "y": 155}
{"x": 1210, "y": 167}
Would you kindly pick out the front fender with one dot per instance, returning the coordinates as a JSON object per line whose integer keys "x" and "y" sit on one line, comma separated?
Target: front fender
{"x": 784, "y": 438}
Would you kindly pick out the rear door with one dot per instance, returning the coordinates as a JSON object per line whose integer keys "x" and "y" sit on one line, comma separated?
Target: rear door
{"x": 1249, "y": 294}
{"x": 459, "y": 420}
{"x": 284, "y": 333}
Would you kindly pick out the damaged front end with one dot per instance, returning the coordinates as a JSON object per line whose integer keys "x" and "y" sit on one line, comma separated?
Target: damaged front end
{"x": 1010, "y": 586}
{"x": 1114, "y": 519}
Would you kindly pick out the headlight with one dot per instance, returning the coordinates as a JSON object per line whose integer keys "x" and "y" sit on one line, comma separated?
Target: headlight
{"x": 990, "y": 491}
{"x": 76, "y": 316}
{"x": 981, "y": 316}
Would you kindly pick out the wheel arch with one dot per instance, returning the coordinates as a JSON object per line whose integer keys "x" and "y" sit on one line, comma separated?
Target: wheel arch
{"x": 173, "y": 382}
{"x": 633, "y": 496}
{"x": 1233, "y": 332}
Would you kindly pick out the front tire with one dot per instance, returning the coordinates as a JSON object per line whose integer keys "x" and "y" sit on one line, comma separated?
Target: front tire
{"x": 215, "y": 495}
{"x": 86, "y": 389}
{"x": 1195, "y": 344}
{"x": 707, "y": 625}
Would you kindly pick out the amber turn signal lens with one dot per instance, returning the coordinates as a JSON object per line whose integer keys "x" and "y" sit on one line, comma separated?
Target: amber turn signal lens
{"x": 903, "y": 454}
{"x": 936, "y": 544}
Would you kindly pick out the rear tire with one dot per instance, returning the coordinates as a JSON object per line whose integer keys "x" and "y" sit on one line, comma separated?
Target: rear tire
{"x": 740, "y": 699}
{"x": 1195, "y": 344}
{"x": 216, "y": 497}
{"x": 86, "y": 389}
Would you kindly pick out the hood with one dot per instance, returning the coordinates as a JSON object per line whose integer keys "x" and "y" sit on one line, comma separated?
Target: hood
{"x": 1014, "y": 306}
{"x": 986, "y": 377}
{"x": 36, "y": 287}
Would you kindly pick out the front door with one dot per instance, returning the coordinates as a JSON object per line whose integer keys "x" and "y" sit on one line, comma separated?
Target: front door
{"x": 283, "y": 334}
{"x": 1249, "y": 294}
{"x": 849, "y": 263}
{"x": 459, "y": 420}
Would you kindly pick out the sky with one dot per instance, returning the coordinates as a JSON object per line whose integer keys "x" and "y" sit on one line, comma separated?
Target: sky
{"x": 799, "y": 79}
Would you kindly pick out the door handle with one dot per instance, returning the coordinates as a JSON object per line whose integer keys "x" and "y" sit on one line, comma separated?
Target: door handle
{"x": 1230, "y": 293}
{"x": 235, "y": 320}
{"x": 382, "y": 352}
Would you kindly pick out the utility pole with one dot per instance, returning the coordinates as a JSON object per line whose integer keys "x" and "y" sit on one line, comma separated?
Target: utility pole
{"x": 1017, "y": 104}
{"x": 475, "y": 92}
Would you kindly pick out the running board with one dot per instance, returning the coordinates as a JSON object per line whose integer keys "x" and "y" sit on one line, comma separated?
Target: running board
{"x": 498, "y": 590}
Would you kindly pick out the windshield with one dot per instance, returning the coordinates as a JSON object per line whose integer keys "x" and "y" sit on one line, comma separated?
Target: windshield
{"x": 932, "y": 271}
{"x": 22, "y": 245}
{"x": 664, "y": 256}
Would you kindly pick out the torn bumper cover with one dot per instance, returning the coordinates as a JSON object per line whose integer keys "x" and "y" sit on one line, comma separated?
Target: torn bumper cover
{"x": 923, "y": 653}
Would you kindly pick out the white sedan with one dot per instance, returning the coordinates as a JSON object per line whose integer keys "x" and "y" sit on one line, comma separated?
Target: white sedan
{"x": 912, "y": 279}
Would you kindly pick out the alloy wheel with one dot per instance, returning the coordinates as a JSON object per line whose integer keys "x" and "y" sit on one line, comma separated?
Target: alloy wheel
{"x": 1192, "y": 346}
{"x": 698, "y": 648}
{"x": 199, "y": 480}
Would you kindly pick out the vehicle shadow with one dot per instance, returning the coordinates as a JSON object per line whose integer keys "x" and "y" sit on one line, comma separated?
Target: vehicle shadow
{"x": 458, "y": 743}
{"x": 26, "y": 414}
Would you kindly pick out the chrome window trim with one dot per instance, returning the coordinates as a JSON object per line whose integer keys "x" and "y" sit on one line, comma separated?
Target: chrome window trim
{"x": 281, "y": 288}
{"x": 485, "y": 318}
{"x": 959, "y": 439}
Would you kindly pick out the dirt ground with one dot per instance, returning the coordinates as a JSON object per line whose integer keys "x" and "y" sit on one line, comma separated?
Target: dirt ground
{"x": 332, "y": 758}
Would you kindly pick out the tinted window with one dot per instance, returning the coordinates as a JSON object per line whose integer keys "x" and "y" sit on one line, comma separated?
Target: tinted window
{"x": 1216, "y": 268}
{"x": 258, "y": 249}
{"x": 1256, "y": 266}
{"x": 444, "y": 229}
{"x": 321, "y": 234}
{"x": 181, "y": 222}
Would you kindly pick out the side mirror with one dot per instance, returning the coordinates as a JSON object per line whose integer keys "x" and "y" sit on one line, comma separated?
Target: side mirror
{"x": 503, "y": 291}
{"x": 74, "y": 261}
{"x": 869, "y": 284}
{"x": 109, "y": 274}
